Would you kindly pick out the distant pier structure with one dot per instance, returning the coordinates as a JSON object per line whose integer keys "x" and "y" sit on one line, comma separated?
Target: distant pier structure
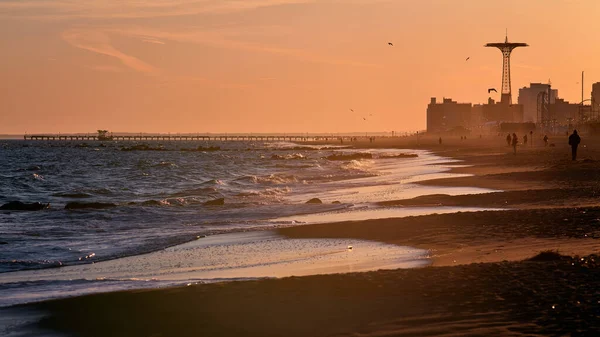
{"x": 103, "y": 135}
{"x": 506, "y": 48}
{"x": 150, "y": 137}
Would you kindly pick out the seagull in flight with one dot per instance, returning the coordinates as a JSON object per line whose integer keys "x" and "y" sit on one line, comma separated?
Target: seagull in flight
{"x": 352, "y": 110}
{"x": 364, "y": 118}
{"x": 492, "y": 89}
{"x": 390, "y": 44}
{"x": 468, "y": 58}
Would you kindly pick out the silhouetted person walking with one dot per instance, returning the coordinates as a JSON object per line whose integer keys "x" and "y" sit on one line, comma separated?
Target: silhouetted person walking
{"x": 508, "y": 139}
{"x": 515, "y": 141}
{"x": 531, "y": 136}
{"x": 545, "y": 140}
{"x": 525, "y": 140}
{"x": 574, "y": 141}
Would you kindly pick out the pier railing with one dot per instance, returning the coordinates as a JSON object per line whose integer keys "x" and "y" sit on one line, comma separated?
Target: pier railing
{"x": 150, "y": 137}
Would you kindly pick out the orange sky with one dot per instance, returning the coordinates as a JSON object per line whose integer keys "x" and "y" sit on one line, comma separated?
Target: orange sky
{"x": 275, "y": 65}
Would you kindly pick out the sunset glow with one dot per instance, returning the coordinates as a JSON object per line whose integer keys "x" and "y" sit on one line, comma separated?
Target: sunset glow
{"x": 275, "y": 65}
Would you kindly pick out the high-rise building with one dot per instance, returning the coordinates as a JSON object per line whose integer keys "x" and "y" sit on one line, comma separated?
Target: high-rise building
{"x": 447, "y": 115}
{"x": 528, "y": 97}
{"x": 596, "y": 99}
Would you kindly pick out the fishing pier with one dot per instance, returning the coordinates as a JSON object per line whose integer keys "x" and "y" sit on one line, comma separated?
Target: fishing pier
{"x": 153, "y": 137}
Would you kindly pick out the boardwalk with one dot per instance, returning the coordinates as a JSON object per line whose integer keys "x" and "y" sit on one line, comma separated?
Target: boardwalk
{"x": 264, "y": 138}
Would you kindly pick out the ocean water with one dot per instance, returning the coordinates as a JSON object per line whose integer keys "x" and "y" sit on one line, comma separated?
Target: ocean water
{"x": 159, "y": 199}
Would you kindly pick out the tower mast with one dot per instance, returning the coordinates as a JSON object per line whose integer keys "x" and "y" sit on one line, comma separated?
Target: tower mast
{"x": 506, "y": 48}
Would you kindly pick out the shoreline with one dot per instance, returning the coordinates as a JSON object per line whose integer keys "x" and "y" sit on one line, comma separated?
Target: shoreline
{"x": 114, "y": 269}
{"x": 480, "y": 282}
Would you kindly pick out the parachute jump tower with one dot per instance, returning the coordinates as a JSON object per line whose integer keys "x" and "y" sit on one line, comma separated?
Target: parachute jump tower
{"x": 506, "y": 48}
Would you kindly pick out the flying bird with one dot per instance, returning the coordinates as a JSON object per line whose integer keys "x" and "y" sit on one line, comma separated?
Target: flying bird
{"x": 468, "y": 58}
{"x": 364, "y": 118}
{"x": 391, "y": 44}
{"x": 352, "y": 110}
{"x": 492, "y": 89}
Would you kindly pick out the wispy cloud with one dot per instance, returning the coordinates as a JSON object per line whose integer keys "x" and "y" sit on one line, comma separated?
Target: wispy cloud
{"x": 219, "y": 39}
{"x": 152, "y": 41}
{"x": 119, "y": 9}
{"x": 99, "y": 42}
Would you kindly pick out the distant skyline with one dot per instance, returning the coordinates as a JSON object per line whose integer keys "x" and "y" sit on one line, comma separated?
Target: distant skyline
{"x": 276, "y": 65}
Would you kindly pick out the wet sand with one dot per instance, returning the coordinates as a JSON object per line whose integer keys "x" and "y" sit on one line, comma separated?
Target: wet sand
{"x": 492, "y": 299}
{"x": 479, "y": 283}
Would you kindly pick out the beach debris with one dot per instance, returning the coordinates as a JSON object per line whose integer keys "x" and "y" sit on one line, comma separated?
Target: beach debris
{"x": 215, "y": 202}
{"x": 314, "y": 201}
{"x": 21, "y": 206}
{"x": 87, "y": 257}
{"x": 89, "y": 205}
{"x": 547, "y": 255}
{"x": 349, "y": 247}
{"x": 336, "y": 202}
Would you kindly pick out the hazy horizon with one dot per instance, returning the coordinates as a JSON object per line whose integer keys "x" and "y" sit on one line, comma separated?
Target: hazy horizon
{"x": 126, "y": 133}
{"x": 275, "y": 65}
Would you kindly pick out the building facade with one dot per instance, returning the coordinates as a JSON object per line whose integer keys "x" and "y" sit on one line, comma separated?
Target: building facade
{"x": 563, "y": 113}
{"x": 596, "y": 99}
{"x": 528, "y": 98}
{"x": 447, "y": 115}
{"x": 502, "y": 112}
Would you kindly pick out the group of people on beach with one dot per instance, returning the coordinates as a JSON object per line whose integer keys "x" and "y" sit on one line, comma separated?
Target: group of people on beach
{"x": 574, "y": 140}
{"x": 355, "y": 139}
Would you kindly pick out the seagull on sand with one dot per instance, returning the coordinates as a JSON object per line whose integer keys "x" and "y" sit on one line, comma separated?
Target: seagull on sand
{"x": 390, "y": 44}
{"x": 492, "y": 89}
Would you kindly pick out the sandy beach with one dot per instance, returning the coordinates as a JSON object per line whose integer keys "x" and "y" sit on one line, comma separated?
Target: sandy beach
{"x": 482, "y": 279}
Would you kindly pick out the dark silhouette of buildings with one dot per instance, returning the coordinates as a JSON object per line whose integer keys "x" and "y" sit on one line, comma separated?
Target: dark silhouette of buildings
{"x": 447, "y": 115}
{"x": 502, "y": 112}
{"x": 538, "y": 107}
{"x": 529, "y": 96}
{"x": 596, "y": 99}
{"x": 450, "y": 115}
{"x": 563, "y": 113}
